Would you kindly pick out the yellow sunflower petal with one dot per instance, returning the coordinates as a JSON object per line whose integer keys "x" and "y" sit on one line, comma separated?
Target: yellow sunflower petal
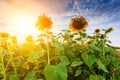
{"x": 44, "y": 22}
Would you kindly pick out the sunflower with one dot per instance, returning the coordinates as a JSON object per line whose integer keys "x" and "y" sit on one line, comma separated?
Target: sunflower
{"x": 97, "y": 31}
{"x": 44, "y": 22}
{"x": 78, "y": 24}
{"x": 4, "y": 35}
{"x": 102, "y": 36}
{"x": 86, "y": 43}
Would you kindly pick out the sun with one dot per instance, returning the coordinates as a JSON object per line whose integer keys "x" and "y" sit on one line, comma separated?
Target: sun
{"x": 24, "y": 24}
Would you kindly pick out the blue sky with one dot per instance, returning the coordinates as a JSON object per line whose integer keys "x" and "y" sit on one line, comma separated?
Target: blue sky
{"x": 99, "y": 14}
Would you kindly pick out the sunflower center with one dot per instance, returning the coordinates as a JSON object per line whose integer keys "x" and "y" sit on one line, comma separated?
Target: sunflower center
{"x": 78, "y": 24}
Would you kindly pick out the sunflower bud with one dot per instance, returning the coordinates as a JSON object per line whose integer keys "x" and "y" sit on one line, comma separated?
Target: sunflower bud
{"x": 97, "y": 31}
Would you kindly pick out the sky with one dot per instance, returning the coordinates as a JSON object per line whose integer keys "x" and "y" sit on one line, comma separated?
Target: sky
{"x": 18, "y": 17}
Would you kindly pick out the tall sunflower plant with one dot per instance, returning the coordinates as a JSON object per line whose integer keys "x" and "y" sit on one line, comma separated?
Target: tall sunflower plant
{"x": 44, "y": 24}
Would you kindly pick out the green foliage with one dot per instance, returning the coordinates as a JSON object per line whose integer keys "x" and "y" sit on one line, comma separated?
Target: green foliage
{"x": 101, "y": 66}
{"x": 95, "y": 48}
{"x": 96, "y": 77}
{"x": 33, "y": 55}
{"x": 76, "y": 62}
{"x": 64, "y": 60}
{"x": 66, "y": 56}
{"x": 88, "y": 59}
{"x": 14, "y": 77}
{"x": 55, "y": 72}
{"x": 30, "y": 76}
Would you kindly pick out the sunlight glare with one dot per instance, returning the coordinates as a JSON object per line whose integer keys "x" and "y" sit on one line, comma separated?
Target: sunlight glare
{"x": 24, "y": 23}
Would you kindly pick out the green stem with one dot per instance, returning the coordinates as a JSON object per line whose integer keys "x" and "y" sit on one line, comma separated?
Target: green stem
{"x": 113, "y": 78}
{"x": 81, "y": 41}
{"x": 83, "y": 49}
{"x": 103, "y": 48}
{"x": 3, "y": 66}
{"x": 48, "y": 54}
{"x": 8, "y": 63}
{"x": 12, "y": 61}
{"x": 55, "y": 56}
{"x": 13, "y": 65}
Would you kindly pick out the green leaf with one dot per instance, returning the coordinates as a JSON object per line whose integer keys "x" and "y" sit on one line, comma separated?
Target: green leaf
{"x": 77, "y": 38}
{"x": 84, "y": 57}
{"x": 76, "y": 62}
{"x": 30, "y": 76}
{"x": 102, "y": 66}
{"x": 14, "y": 77}
{"x": 100, "y": 77}
{"x": 109, "y": 51}
{"x": 78, "y": 72}
{"x": 91, "y": 60}
{"x": 58, "y": 72}
{"x": 93, "y": 77}
{"x": 95, "y": 48}
{"x": 96, "y": 77}
{"x": 35, "y": 55}
{"x": 106, "y": 61}
{"x": 83, "y": 35}
{"x": 88, "y": 59}
{"x": 64, "y": 60}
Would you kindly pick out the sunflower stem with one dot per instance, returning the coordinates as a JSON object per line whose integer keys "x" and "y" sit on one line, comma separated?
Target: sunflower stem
{"x": 13, "y": 65}
{"x": 3, "y": 65}
{"x": 48, "y": 54}
{"x": 81, "y": 41}
{"x": 103, "y": 47}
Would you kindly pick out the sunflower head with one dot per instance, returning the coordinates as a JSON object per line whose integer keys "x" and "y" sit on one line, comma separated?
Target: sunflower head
{"x": 97, "y": 31}
{"x": 44, "y": 22}
{"x": 4, "y": 35}
{"x": 102, "y": 36}
{"x": 87, "y": 43}
{"x": 78, "y": 24}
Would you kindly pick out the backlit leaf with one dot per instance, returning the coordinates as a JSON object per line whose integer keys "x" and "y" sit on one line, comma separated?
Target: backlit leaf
{"x": 58, "y": 72}
{"x": 30, "y": 76}
{"x": 14, "y": 77}
{"x": 64, "y": 60}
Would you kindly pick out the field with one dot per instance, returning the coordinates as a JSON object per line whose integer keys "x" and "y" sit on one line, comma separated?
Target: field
{"x": 71, "y": 55}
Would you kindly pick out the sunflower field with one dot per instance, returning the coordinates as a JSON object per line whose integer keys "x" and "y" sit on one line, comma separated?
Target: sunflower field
{"x": 71, "y": 55}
